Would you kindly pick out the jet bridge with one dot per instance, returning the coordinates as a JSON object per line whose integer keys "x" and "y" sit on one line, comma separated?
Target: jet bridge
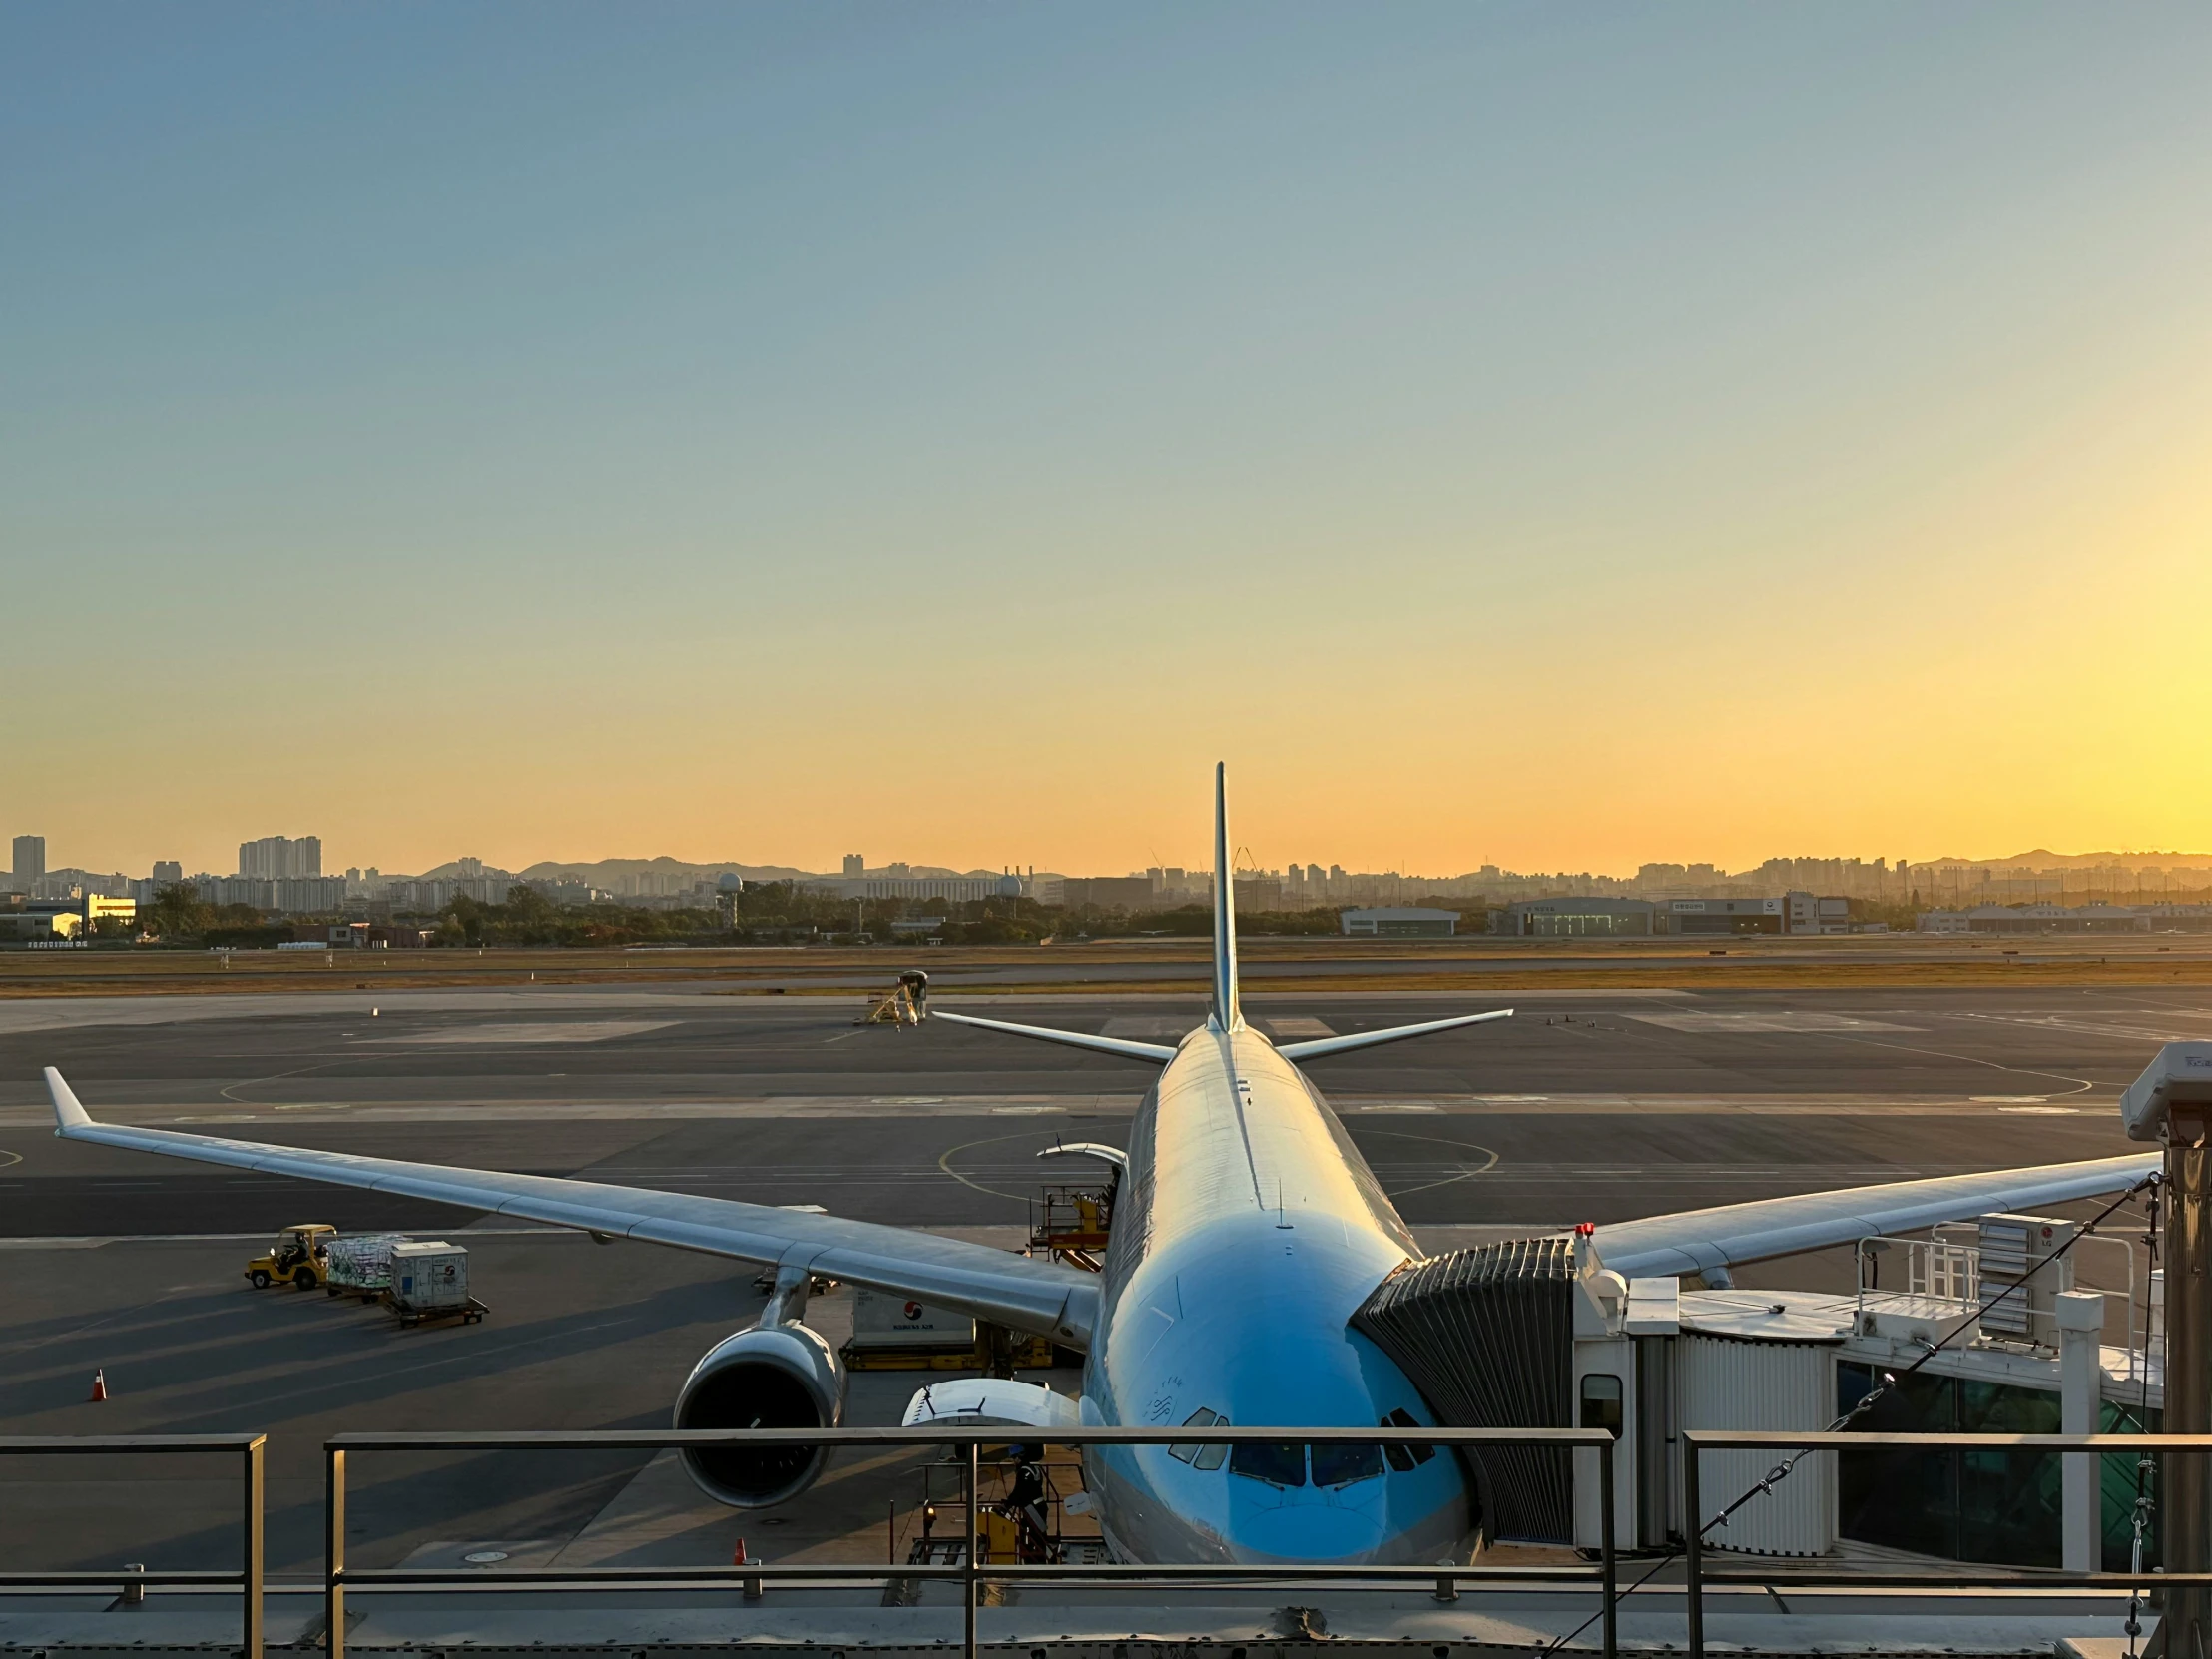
{"x": 1487, "y": 1336}
{"x": 1538, "y": 1334}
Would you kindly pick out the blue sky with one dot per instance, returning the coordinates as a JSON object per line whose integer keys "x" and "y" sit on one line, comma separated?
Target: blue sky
{"x": 449, "y": 414}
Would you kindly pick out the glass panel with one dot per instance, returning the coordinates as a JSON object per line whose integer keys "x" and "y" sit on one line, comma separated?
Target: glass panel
{"x": 2123, "y": 1479}
{"x": 2009, "y": 1502}
{"x": 1601, "y": 1402}
{"x": 1277, "y": 1464}
{"x": 1402, "y": 1419}
{"x": 1902, "y": 1500}
{"x": 1187, "y": 1451}
{"x": 1340, "y": 1466}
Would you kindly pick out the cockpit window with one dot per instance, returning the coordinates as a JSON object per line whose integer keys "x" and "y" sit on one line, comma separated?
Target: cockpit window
{"x": 1403, "y": 1456}
{"x": 1192, "y": 1452}
{"x": 1340, "y": 1466}
{"x": 1277, "y": 1464}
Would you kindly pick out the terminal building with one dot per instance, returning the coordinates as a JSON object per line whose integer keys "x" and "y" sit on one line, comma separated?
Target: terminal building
{"x": 1400, "y": 922}
{"x": 1564, "y": 918}
{"x": 2077, "y": 918}
{"x": 1552, "y": 919}
{"x": 62, "y": 918}
{"x": 1726, "y": 918}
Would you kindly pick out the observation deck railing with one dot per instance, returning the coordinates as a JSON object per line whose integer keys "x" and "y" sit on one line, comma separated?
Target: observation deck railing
{"x": 247, "y": 1575}
{"x": 753, "y": 1579}
{"x": 1936, "y": 1576}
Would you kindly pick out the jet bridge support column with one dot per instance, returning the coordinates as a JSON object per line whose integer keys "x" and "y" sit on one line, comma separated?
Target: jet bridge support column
{"x": 2172, "y": 1103}
{"x": 2185, "y": 1482}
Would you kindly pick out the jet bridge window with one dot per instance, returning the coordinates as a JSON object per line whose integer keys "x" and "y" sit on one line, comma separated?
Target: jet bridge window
{"x": 1195, "y": 1453}
{"x": 1275, "y": 1464}
{"x": 1601, "y": 1402}
{"x": 1404, "y": 1458}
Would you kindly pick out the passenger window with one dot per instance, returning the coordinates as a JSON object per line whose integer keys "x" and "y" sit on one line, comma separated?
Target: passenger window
{"x": 1404, "y": 1458}
{"x": 1340, "y": 1466}
{"x": 1190, "y": 1451}
{"x": 1275, "y": 1464}
{"x": 1601, "y": 1402}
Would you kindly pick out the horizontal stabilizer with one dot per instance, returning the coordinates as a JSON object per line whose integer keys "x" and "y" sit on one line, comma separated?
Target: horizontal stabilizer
{"x": 1158, "y": 1054}
{"x": 1322, "y": 1048}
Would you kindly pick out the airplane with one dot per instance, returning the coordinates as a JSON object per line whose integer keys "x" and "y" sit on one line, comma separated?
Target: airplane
{"x": 1248, "y": 1231}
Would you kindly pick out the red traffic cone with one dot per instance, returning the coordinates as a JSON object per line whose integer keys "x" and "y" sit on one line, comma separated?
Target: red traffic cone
{"x": 99, "y": 1388}
{"x": 736, "y": 1557}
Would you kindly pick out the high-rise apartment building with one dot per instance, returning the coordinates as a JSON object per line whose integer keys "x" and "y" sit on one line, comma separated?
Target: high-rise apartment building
{"x": 30, "y": 857}
{"x": 168, "y": 873}
{"x": 278, "y": 858}
{"x": 855, "y": 864}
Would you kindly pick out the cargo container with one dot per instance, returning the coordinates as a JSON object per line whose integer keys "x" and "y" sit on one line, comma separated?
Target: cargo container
{"x": 362, "y": 1265}
{"x": 883, "y": 1319}
{"x": 429, "y": 1280}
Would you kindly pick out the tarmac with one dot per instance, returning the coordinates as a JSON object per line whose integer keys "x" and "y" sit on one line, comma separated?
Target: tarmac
{"x": 1591, "y": 1106}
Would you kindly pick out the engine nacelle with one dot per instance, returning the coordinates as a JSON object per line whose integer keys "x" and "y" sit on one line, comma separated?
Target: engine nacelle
{"x": 771, "y": 1377}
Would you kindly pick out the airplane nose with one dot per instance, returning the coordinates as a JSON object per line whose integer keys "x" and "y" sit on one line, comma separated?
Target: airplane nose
{"x": 1308, "y": 1532}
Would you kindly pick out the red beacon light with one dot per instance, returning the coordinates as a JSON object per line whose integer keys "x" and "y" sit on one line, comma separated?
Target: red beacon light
{"x": 1585, "y": 1228}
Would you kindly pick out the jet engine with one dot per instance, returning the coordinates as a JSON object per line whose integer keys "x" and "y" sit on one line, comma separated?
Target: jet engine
{"x": 775, "y": 1376}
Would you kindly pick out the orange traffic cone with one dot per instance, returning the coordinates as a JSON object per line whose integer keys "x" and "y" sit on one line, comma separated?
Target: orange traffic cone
{"x": 736, "y": 1557}
{"x": 99, "y": 1388}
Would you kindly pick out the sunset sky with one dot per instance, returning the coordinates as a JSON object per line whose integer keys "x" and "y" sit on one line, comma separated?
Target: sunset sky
{"x": 1558, "y": 437}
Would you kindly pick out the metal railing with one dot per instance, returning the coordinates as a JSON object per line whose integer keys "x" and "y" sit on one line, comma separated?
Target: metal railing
{"x": 753, "y": 1579}
{"x": 1946, "y": 1268}
{"x": 1965, "y": 1576}
{"x": 248, "y": 1576}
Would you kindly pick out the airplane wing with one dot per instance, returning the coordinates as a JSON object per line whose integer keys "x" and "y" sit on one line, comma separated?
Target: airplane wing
{"x": 1016, "y": 1291}
{"x": 1699, "y": 1239}
{"x": 1158, "y": 1054}
{"x": 1321, "y": 1047}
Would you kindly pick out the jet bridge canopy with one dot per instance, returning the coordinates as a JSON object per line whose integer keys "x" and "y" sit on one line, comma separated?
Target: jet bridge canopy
{"x": 1487, "y": 1336}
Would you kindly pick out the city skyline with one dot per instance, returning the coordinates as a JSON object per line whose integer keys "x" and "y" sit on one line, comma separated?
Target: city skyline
{"x": 281, "y": 857}
{"x": 1510, "y": 434}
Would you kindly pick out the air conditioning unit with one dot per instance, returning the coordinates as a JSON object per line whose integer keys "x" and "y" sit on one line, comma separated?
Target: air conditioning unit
{"x": 2017, "y": 1250}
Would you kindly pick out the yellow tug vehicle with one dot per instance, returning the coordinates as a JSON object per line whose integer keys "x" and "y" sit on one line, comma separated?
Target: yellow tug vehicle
{"x": 301, "y": 1256}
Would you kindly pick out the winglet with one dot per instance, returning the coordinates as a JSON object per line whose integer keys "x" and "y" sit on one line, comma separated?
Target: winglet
{"x": 1226, "y": 1015}
{"x": 68, "y": 1114}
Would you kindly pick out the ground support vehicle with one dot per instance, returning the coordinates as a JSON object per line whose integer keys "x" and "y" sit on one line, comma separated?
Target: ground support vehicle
{"x": 299, "y": 1257}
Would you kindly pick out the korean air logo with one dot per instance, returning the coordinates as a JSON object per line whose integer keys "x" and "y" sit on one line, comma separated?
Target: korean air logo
{"x": 913, "y": 1309}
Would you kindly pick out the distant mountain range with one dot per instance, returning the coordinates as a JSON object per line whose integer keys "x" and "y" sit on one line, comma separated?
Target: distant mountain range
{"x": 2042, "y": 860}
{"x": 617, "y": 873}
{"x": 610, "y": 873}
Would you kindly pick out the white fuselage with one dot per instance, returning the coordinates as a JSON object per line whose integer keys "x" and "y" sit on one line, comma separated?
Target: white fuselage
{"x": 1247, "y": 1231}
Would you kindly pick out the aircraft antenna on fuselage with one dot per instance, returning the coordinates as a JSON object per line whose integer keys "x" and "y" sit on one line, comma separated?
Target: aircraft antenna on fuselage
{"x": 1226, "y": 1015}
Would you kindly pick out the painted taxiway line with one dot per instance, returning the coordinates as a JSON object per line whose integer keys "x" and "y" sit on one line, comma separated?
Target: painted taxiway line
{"x": 211, "y": 1118}
{"x": 23, "y": 1015}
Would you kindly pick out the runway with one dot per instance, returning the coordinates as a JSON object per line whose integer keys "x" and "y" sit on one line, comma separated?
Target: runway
{"x": 1588, "y": 1107}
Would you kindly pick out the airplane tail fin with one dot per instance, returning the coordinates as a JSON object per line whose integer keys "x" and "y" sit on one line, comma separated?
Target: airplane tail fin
{"x": 1226, "y": 1015}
